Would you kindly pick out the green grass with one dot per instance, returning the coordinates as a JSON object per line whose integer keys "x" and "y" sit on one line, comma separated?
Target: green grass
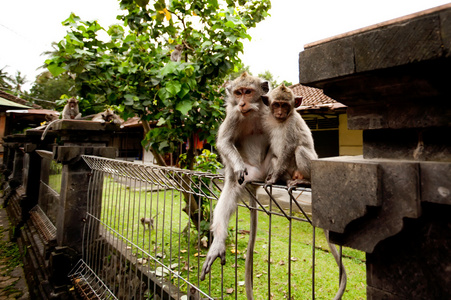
{"x": 55, "y": 176}
{"x": 123, "y": 207}
{"x": 10, "y": 258}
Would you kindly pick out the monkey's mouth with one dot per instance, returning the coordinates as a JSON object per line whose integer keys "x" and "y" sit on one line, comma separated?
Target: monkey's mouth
{"x": 246, "y": 112}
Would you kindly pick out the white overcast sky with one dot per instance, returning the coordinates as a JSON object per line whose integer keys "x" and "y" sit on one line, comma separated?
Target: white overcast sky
{"x": 28, "y": 27}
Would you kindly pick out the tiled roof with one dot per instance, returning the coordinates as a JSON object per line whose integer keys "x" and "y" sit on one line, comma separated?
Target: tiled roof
{"x": 313, "y": 98}
{"x": 17, "y": 99}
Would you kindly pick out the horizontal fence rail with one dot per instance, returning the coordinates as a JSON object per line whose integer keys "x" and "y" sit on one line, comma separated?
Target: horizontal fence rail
{"x": 147, "y": 234}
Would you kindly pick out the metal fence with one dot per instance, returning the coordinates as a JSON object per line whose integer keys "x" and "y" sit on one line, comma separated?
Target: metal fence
{"x": 147, "y": 233}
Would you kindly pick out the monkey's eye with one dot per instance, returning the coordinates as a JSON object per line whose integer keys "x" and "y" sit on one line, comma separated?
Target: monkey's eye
{"x": 238, "y": 93}
{"x": 248, "y": 92}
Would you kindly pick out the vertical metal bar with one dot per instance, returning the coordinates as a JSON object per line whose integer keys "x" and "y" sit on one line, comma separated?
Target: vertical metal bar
{"x": 341, "y": 265}
{"x": 289, "y": 248}
{"x": 180, "y": 231}
{"x": 143, "y": 183}
{"x": 269, "y": 246}
{"x": 313, "y": 261}
{"x": 236, "y": 253}
{"x": 93, "y": 223}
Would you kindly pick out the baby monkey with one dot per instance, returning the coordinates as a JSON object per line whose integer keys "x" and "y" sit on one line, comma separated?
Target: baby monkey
{"x": 291, "y": 140}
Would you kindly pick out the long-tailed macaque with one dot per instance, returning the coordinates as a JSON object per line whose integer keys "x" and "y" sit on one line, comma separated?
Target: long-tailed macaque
{"x": 176, "y": 55}
{"x": 70, "y": 112}
{"x": 243, "y": 145}
{"x": 290, "y": 138}
{"x": 292, "y": 146}
{"x": 148, "y": 222}
{"x": 107, "y": 116}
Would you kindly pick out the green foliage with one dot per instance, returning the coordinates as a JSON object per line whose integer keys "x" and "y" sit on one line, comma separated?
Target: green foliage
{"x": 5, "y": 80}
{"x": 205, "y": 162}
{"x": 273, "y": 81}
{"x": 133, "y": 72}
{"x": 50, "y": 88}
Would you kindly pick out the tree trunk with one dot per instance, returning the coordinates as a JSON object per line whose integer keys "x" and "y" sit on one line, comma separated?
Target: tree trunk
{"x": 192, "y": 201}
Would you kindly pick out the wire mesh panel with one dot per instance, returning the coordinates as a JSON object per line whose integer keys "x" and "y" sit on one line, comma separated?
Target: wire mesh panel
{"x": 147, "y": 235}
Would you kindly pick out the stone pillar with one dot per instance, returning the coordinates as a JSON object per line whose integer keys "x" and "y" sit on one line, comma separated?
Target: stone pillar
{"x": 31, "y": 173}
{"x": 394, "y": 203}
{"x": 78, "y": 138}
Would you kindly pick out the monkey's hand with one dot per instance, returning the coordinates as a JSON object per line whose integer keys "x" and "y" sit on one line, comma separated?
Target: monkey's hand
{"x": 270, "y": 179}
{"x": 217, "y": 249}
{"x": 240, "y": 175}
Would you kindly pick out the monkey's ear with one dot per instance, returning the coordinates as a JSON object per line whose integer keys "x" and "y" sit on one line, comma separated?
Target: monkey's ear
{"x": 265, "y": 86}
{"x": 265, "y": 100}
{"x": 228, "y": 89}
{"x": 297, "y": 101}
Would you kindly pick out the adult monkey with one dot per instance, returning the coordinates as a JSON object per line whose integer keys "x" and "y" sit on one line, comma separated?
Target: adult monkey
{"x": 243, "y": 145}
{"x": 71, "y": 111}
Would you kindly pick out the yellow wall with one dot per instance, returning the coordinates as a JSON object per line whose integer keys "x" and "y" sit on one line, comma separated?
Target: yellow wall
{"x": 350, "y": 141}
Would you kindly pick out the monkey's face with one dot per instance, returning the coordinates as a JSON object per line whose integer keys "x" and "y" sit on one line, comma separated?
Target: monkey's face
{"x": 281, "y": 110}
{"x": 245, "y": 97}
{"x": 72, "y": 104}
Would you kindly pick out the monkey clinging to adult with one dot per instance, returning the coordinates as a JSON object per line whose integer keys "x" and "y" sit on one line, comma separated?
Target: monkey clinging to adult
{"x": 290, "y": 138}
{"x": 292, "y": 149}
{"x": 243, "y": 145}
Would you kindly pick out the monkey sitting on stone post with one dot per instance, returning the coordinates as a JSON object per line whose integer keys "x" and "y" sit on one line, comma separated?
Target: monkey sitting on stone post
{"x": 71, "y": 111}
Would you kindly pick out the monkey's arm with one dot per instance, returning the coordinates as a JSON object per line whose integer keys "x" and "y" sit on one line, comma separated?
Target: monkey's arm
{"x": 226, "y": 147}
{"x": 305, "y": 150}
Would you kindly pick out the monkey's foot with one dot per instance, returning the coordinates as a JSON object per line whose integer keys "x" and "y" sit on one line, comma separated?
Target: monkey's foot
{"x": 216, "y": 250}
{"x": 299, "y": 182}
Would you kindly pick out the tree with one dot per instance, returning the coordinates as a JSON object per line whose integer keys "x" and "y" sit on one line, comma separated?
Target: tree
{"x": 273, "y": 81}
{"x": 49, "y": 88}
{"x": 5, "y": 80}
{"x": 133, "y": 72}
{"x": 17, "y": 82}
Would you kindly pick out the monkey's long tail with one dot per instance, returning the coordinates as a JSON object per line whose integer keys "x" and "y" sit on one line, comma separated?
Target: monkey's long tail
{"x": 343, "y": 278}
{"x": 249, "y": 265}
{"x": 49, "y": 126}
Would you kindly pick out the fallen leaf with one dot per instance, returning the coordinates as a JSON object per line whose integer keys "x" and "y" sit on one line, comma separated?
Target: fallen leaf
{"x": 281, "y": 263}
{"x": 294, "y": 259}
{"x": 230, "y": 290}
{"x": 240, "y": 283}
